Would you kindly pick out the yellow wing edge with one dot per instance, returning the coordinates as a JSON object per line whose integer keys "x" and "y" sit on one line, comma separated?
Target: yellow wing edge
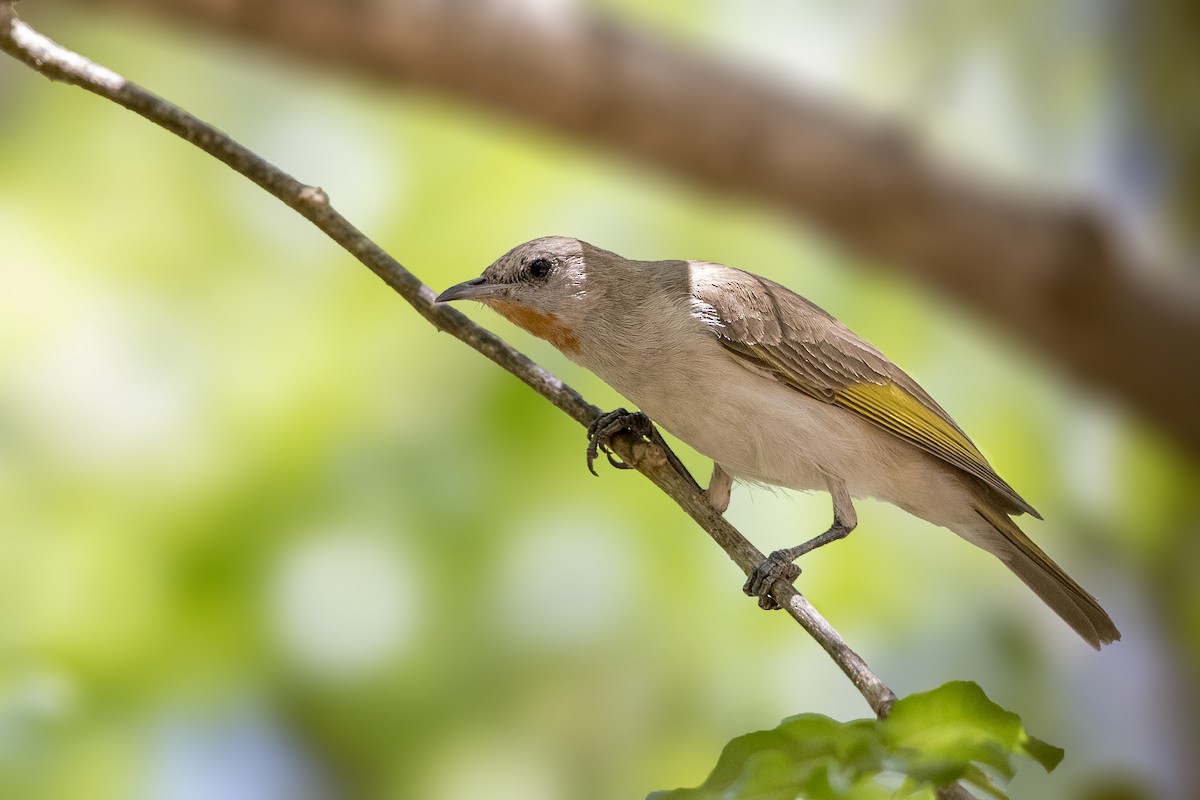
{"x": 895, "y": 410}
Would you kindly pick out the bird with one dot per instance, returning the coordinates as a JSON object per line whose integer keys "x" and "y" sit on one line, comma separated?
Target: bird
{"x": 775, "y": 391}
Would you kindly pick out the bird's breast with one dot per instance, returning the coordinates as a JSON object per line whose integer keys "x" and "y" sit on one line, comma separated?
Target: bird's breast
{"x": 685, "y": 381}
{"x": 755, "y": 427}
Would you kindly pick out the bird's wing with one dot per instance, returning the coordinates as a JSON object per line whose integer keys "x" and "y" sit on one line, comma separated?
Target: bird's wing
{"x": 775, "y": 331}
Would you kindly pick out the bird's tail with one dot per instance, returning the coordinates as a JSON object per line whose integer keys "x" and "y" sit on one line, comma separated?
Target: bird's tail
{"x": 1001, "y": 537}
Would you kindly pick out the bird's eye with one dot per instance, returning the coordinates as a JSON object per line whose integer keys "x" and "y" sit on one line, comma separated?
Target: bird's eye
{"x": 539, "y": 268}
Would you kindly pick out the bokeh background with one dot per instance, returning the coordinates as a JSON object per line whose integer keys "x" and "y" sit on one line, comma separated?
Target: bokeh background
{"x": 265, "y": 534}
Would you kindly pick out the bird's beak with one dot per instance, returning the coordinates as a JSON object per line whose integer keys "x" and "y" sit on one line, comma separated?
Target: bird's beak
{"x": 474, "y": 289}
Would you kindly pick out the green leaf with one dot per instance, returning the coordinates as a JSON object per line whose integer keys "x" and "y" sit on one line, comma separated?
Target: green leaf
{"x": 979, "y": 779}
{"x": 768, "y": 775}
{"x": 808, "y": 755}
{"x": 857, "y": 746}
{"x": 947, "y": 718}
{"x": 940, "y": 732}
{"x": 1043, "y": 753}
{"x": 753, "y": 765}
{"x": 931, "y": 740}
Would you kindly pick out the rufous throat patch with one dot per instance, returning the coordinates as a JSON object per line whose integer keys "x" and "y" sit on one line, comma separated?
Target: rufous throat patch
{"x": 543, "y": 326}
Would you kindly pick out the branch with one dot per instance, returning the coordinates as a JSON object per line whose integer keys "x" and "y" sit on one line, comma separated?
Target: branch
{"x": 57, "y": 63}
{"x": 1048, "y": 274}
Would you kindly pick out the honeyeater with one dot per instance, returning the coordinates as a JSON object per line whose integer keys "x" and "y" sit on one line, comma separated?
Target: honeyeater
{"x": 775, "y": 391}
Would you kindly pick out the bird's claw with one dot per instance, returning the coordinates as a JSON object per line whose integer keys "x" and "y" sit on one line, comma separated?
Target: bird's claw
{"x": 606, "y": 426}
{"x": 762, "y": 579}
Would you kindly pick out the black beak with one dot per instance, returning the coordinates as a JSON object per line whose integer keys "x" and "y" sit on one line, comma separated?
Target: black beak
{"x": 474, "y": 289}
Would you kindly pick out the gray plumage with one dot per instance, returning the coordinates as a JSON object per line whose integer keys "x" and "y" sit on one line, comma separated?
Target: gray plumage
{"x": 797, "y": 343}
{"x": 775, "y": 391}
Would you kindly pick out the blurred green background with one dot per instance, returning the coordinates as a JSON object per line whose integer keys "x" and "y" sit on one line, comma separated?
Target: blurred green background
{"x": 265, "y": 534}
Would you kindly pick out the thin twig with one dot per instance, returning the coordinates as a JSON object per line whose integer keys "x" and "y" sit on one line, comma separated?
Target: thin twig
{"x": 60, "y": 64}
{"x": 1052, "y": 275}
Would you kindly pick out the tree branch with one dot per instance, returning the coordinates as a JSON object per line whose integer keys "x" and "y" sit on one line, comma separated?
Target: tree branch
{"x": 57, "y": 63}
{"x": 1048, "y": 274}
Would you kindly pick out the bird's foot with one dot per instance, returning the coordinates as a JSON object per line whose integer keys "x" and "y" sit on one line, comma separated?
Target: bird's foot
{"x": 762, "y": 579}
{"x": 606, "y": 426}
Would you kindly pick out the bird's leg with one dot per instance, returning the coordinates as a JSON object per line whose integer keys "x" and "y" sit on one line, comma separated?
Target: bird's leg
{"x": 720, "y": 485}
{"x": 778, "y": 566}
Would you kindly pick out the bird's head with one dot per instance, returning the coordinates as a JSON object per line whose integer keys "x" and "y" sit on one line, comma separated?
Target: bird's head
{"x": 541, "y": 285}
